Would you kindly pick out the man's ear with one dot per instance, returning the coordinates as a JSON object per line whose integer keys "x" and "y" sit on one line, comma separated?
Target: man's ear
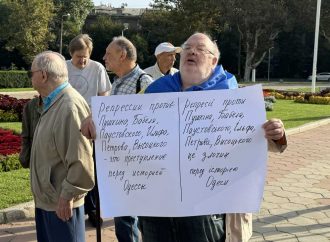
{"x": 123, "y": 55}
{"x": 44, "y": 76}
{"x": 215, "y": 61}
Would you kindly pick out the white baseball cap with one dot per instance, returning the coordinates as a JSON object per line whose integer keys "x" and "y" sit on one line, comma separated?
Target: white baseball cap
{"x": 166, "y": 47}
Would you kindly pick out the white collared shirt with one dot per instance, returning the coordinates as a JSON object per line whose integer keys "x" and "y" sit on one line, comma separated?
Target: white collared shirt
{"x": 155, "y": 72}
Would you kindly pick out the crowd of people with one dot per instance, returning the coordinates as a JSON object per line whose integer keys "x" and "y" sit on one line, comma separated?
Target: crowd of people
{"x": 57, "y": 130}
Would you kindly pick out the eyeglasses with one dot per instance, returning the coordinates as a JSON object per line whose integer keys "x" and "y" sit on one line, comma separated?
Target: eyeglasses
{"x": 30, "y": 73}
{"x": 198, "y": 49}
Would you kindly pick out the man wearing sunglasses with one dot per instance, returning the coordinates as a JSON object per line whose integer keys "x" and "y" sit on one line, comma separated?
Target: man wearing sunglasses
{"x": 61, "y": 163}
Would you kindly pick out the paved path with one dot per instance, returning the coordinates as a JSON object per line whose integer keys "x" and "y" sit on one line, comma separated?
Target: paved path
{"x": 20, "y": 95}
{"x": 24, "y": 231}
{"x": 296, "y": 204}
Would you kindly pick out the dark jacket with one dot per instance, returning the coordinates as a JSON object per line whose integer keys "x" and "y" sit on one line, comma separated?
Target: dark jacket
{"x": 31, "y": 114}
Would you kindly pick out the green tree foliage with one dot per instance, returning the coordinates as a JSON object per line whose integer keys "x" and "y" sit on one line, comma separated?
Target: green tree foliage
{"x": 175, "y": 20}
{"x": 26, "y": 26}
{"x": 30, "y": 27}
{"x": 101, "y": 30}
{"x": 5, "y": 12}
{"x": 295, "y": 49}
{"x": 141, "y": 44}
{"x": 297, "y": 41}
{"x": 325, "y": 19}
{"x": 157, "y": 26}
{"x": 78, "y": 10}
{"x": 72, "y": 26}
{"x": 259, "y": 22}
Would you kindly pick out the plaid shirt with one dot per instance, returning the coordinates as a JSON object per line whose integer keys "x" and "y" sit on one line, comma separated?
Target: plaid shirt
{"x": 127, "y": 83}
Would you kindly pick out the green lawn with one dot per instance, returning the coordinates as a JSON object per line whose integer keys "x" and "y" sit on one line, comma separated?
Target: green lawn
{"x": 304, "y": 89}
{"x": 16, "y": 89}
{"x": 15, "y": 188}
{"x": 296, "y": 114}
{"x": 15, "y": 126}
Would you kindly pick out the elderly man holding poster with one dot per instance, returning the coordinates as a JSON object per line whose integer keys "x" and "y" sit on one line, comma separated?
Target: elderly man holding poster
{"x": 199, "y": 72}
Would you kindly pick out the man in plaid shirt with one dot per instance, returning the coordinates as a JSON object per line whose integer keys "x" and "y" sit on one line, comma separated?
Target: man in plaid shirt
{"x": 120, "y": 58}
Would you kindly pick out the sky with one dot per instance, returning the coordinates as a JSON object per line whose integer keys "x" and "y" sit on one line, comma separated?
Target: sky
{"x": 130, "y": 3}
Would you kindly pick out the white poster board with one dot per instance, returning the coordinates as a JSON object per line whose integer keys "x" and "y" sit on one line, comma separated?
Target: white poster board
{"x": 180, "y": 154}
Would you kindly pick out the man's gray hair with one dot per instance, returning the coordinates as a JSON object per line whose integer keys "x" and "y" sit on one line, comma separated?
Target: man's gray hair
{"x": 53, "y": 64}
{"x": 125, "y": 45}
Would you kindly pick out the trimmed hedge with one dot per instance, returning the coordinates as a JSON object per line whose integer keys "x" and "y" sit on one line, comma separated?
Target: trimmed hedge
{"x": 14, "y": 79}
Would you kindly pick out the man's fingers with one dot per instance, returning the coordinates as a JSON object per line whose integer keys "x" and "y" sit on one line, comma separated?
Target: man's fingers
{"x": 67, "y": 214}
{"x": 274, "y": 129}
{"x": 64, "y": 209}
{"x": 88, "y": 128}
{"x": 60, "y": 214}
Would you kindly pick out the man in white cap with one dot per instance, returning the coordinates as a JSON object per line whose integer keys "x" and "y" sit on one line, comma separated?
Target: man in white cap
{"x": 165, "y": 54}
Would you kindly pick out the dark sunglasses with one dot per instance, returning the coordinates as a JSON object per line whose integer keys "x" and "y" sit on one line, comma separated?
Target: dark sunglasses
{"x": 30, "y": 73}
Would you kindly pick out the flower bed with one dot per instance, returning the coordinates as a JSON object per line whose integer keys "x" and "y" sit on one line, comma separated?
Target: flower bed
{"x": 269, "y": 100}
{"x": 10, "y": 146}
{"x": 9, "y": 142}
{"x": 322, "y": 97}
{"x": 11, "y": 108}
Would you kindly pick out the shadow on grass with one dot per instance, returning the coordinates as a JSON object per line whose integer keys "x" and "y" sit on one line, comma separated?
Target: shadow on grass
{"x": 307, "y": 118}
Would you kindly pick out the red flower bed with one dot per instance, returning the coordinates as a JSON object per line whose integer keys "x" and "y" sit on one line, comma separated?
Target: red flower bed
{"x": 266, "y": 93}
{"x": 9, "y": 142}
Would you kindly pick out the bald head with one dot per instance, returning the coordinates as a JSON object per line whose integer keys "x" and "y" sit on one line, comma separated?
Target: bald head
{"x": 126, "y": 46}
{"x": 120, "y": 56}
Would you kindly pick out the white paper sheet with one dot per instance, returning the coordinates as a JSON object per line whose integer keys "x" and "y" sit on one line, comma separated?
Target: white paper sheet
{"x": 180, "y": 154}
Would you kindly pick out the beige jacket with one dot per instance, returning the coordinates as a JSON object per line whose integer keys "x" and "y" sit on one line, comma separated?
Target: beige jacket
{"x": 156, "y": 73}
{"x": 61, "y": 161}
{"x": 239, "y": 225}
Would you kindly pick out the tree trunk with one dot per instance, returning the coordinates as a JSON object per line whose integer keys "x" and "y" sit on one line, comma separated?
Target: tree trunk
{"x": 248, "y": 67}
{"x": 251, "y": 61}
{"x": 247, "y": 73}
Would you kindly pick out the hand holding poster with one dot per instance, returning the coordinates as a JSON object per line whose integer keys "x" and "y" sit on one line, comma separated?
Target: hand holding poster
{"x": 180, "y": 154}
